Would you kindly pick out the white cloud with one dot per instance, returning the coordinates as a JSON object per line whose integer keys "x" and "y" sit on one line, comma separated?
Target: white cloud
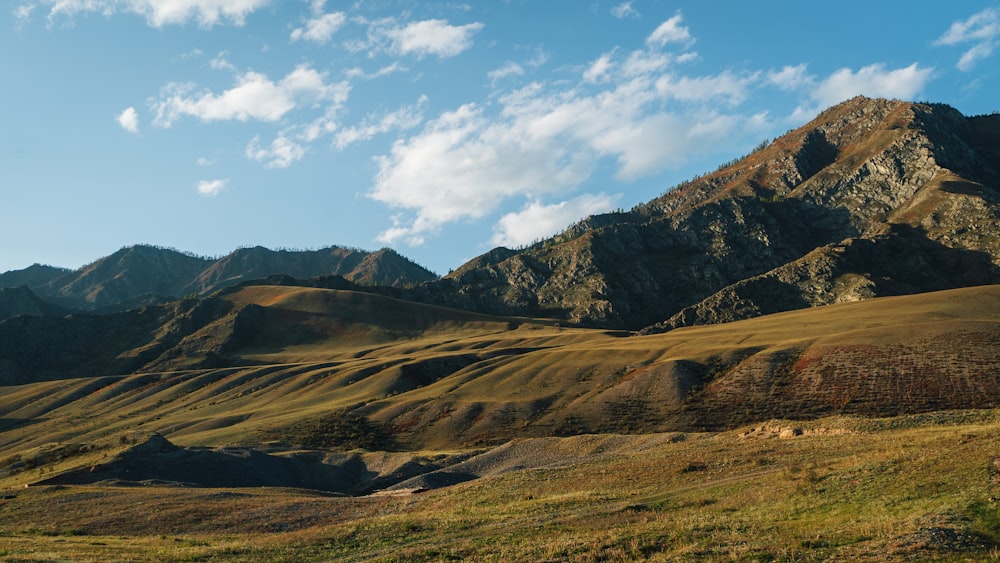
{"x": 624, "y": 10}
{"x": 393, "y": 68}
{"x": 159, "y": 13}
{"x": 670, "y": 31}
{"x": 981, "y": 29}
{"x": 211, "y": 188}
{"x": 24, "y": 11}
{"x": 790, "y": 78}
{"x": 547, "y": 139}
{"x": 598, "y": 70}
{"x": 432, "y": 37}
{"x": 537, "y": 221}
{"x": 463, "y": 166}
{"x": 203, "y": 161}
{"x": 254, "y": 97}
{"x": 281, "y": 153}
{"x": 509, "y": 69}
{"x": 129, "y": 120}
{"x": 873, "y": 80}
{"x": 726, "y": 87}
{"x": 321, "y": 28}
{"x": 404, "y": 118}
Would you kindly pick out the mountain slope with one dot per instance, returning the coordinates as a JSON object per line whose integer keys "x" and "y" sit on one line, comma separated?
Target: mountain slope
{"x": 21, "y": 301}
{"x": 911, "y": 191}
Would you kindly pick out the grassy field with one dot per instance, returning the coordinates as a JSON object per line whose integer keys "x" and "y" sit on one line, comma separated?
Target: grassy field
{"x": 915, "y": 487}
{"x": 766, "y": 440}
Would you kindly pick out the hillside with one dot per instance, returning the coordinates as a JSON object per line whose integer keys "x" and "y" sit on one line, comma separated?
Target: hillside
{"x": 146, "y": 275}
{"x": 328, "y": 409}
{"x": 260, "y": 363}
{"x": 872, "y": 198}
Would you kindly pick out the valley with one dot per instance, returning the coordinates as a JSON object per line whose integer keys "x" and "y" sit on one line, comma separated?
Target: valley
{"x": 792, "y": 358}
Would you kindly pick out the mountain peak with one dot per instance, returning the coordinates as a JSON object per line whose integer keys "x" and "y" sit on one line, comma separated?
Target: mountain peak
{"x": 755, "y": 235}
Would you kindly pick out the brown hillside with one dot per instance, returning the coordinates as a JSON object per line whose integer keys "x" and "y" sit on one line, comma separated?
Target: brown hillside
{"x": 370, "y": 371}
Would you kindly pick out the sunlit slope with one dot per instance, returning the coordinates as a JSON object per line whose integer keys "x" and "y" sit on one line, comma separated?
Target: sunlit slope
{"x": 426, "y": 377}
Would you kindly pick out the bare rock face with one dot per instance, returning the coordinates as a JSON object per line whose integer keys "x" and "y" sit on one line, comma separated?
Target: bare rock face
{"x": 872, "y": 198}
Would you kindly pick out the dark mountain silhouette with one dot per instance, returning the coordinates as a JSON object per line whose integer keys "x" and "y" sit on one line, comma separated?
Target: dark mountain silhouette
{"x": 147, "y": 275}
{"x": 16, "y": 301}
{"x": 872, "y": 198}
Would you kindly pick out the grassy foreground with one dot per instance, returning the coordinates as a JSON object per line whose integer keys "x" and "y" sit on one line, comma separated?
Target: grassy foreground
{"x": 904, "y": 488}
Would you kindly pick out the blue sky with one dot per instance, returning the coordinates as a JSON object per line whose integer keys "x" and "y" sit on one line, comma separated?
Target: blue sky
{"x": 441, "y": 129}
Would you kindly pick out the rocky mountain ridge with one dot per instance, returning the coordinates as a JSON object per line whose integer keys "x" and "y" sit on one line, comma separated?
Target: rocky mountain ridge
{"x": 872, "y": 198}
{"x": 142, "y": 274}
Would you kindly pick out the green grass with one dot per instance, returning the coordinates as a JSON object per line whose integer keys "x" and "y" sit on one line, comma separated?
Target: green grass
{"x": 854, "y": 494}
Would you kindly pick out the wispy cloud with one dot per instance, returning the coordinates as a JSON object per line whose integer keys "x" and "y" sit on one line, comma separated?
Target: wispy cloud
{"x": 281, "y": 153}
{"x": 212, "y": 188}
{"x": 158, "y": 13}
{"x": 128, "y": 119}
{"x": 981, "y": 30}
{"x": 507, "y": 70}
{"x": 670, "y": 31}
{"x": 320, "y": 29}
{"x": 254, "y": 97}
{"x": 402, "y": 119}
{"x": 624, "y": 10}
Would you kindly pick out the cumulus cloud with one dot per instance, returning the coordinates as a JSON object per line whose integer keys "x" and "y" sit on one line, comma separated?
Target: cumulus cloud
{"x": 546, "y": 139}
{"x": 873, "y": 80}
{"x": 537, "y": 221}
{"x": 320, "y": 29}
{"x": 211, "y": 188}
{"x": 982, "y": 30}
{"x": 158, "y": 13}
{"x": 129, "y": 120}
{"x": 432, "y": 37}
{"x": 254, "y": 97}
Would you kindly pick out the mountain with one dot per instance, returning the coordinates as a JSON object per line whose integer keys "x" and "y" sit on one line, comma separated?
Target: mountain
{"x": 33, "y": 276}
{"x": 872, "y": 198}
{"x": 145, "y": 275}
{"x": 16, "y": 301}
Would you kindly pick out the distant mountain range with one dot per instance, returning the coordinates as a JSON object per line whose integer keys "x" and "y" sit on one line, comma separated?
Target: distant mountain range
{"x": 143, "y": 274}
{"x": 872, "y": 198}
